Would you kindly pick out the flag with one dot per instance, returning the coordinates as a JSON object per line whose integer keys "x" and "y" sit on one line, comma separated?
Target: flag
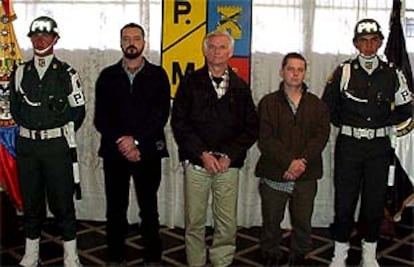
{"x": 395, "y": 49}
{"x": 10, "y": 56}
{"x": 404, "y": 150}
{"x": 396, "y": 53}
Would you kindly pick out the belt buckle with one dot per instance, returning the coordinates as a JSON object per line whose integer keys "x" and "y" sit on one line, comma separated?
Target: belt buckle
{"x": 367, "y": 133}
{"x": 38, "y": 134}
{"x": 41, "y": 134}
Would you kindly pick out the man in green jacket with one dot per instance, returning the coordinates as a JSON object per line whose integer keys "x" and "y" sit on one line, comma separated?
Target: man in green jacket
{"x": 294, "y": 129}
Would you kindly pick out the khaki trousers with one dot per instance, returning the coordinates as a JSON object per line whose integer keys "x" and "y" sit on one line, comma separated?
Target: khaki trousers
{"x": 224, "y": 189}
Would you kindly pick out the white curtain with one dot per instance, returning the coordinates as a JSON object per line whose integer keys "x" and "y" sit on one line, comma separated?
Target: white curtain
{"x": 320, "y": 29}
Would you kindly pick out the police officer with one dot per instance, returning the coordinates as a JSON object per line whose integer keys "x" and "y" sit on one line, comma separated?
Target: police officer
{"x": 365, "y": 96}
{"x": 46, "y": 100}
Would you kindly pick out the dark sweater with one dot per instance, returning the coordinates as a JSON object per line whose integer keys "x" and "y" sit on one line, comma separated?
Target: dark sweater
{"x": 140, "y": 110}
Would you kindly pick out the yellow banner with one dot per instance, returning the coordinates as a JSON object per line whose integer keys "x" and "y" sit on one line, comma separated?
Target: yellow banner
{"x": 184, "y": 26}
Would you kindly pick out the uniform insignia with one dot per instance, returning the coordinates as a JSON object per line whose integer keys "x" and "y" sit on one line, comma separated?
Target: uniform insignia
{"x": 356, "y": 66}
{"x": 55, "y": 66}
{"x": 369, "y": 64}
{"x": 42, "y": 62}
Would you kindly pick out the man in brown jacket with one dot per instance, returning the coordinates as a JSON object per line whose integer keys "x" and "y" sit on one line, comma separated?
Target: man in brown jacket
{"x": 294, "y": 129}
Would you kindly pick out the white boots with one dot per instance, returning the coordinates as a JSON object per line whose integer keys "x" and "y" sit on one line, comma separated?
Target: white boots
{"x": 369, "y": 258}
{"x": 70, "y": 254}
{"x": 368, "y": 254}
{"x": 340, "y": 254}
{"x": 31, "y": 253}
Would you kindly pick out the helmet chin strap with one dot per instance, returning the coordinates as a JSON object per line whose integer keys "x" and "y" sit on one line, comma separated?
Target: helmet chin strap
{"x": 42, "y": 51}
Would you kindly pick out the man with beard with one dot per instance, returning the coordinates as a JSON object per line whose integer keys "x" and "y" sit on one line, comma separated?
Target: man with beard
{"x": 131, "y": 109}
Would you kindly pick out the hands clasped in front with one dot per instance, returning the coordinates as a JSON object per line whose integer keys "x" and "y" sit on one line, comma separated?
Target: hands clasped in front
{"x": 128, "y": 148}
{"x": 296, "y": 168}
{"x": 215, "y": 164}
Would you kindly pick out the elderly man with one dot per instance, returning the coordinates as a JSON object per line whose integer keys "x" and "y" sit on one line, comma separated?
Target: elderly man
{"x": 214, "y": 123}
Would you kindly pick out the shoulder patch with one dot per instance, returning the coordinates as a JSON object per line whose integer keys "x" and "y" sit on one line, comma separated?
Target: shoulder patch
{"x": 76, "y": 97}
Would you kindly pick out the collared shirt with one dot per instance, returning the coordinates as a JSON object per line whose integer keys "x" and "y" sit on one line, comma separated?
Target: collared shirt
{"x": 369, "y": 65}
{"x": 220, "y": 84}
{"x": 131, "y": 75}
{"x": 42, "y": 63}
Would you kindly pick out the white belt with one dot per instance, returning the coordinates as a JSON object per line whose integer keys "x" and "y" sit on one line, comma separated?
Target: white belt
{"x": 41, "y": 134}
{"x": 360, "y": 133}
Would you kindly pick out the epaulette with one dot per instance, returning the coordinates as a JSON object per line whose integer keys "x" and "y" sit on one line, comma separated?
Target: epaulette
{"x": 64, "y": 64}
{"x": 68, "y": 67}
{"x": 349, "y": 60}
{"x": 27, "y": 65}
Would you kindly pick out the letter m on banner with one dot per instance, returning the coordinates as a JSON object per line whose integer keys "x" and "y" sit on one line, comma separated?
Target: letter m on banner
{"x": 186, "y": 22}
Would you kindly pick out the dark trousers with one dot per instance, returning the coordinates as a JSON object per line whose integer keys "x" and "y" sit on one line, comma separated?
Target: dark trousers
{"x": 45, "y": 172}
{"x": 361, "y": 168}
{"x": 300, "y": 209}
{"x": 147, "y": 177}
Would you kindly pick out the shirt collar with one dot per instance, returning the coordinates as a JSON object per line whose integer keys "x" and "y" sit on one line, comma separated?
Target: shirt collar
{"x": 125, "y": 67}
{"x": 42, "y": 62}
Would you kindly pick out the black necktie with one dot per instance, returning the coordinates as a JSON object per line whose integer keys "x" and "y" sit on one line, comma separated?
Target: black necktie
{"x": 217, "y": 80}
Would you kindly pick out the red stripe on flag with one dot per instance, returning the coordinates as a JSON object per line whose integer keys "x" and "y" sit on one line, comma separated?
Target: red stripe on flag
{"x": 8, "y": 177}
